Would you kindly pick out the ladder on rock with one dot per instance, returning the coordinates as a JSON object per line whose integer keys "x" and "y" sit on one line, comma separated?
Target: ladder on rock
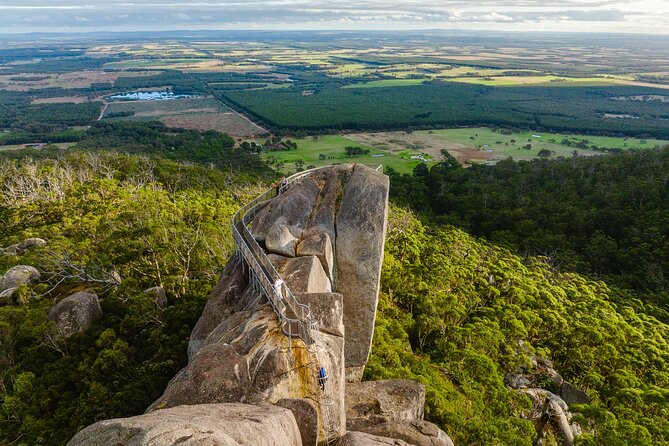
{"x": 295, "y": 318}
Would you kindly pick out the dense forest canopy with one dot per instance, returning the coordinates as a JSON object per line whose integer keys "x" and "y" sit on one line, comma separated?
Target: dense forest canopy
{"x": 455, "y": 311}
{"x": 436, "y": 104}
{"x": 149, "y": 221}
{"x": 607, "y": 216}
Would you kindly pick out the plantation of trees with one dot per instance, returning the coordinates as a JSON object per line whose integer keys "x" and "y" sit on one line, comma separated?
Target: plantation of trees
{"x": 565, "y": 109}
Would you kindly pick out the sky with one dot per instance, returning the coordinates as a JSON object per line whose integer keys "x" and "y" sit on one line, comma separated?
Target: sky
{"x": 637, "y": 16}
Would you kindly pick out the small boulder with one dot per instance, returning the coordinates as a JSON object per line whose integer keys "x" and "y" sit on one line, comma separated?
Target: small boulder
{"x": 17, "y": 276}
{"x": 76, "y": 313}
{"x": 11, "y": 251}
{"x": 517, "y": 381}
{"x": 327, "y": 309}
{"x": 306, "y": 275}
{"x": 572, "y": 395}
{"x": 201, "y": 424}
{"x": 306, "y": 415}
{"x": 375, "y": 402}
{"x": 362, "y": 439}
{"x": 318, "y": 245}
{"x": 279, "y": 240}
{"x": 418, "y": 433}
{"x": 31, "y": 243}
{"x": 160, "y": 296}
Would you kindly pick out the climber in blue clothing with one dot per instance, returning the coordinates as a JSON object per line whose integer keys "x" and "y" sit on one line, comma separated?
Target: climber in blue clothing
{"x": 322, "y": 378}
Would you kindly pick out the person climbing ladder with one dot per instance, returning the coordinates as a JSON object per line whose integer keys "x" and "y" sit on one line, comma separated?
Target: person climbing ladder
{"x": 322, "y": 378}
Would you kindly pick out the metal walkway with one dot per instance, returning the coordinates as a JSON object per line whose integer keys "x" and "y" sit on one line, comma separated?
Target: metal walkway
{"x": 295, "y": 318}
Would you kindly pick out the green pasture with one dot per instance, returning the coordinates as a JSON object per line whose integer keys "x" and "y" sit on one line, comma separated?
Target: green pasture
{"x": 502, "y": 145}
{"x": 332, "y": 146}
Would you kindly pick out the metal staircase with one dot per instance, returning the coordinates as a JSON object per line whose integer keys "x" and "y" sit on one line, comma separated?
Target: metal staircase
{"x": 295, "y": 318}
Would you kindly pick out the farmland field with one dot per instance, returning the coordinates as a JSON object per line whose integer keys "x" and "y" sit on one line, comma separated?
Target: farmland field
{"x": 310, "y": 150}
{"x": 194, "y": 113}
{"x": 476, "y": 145}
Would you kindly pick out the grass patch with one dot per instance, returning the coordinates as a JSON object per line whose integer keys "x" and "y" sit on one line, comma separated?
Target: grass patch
{"x": 332, "y": 147}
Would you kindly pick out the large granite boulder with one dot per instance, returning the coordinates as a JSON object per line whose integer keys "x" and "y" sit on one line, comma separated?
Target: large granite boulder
{"x": 76, "y": 313}
{"x": 292, "y": 209}
{"x": 347, "y": 205}
{"x": 197, "y": 425}
{"x": 362, "y": 439}
{"x": 418, "y": 433}
{"x": 17, "y": 276}
{"x": 319, "y": 245}
{"x": 246, "y": 359}
{"x": 327, "y": 309}
{"x": 279, "y": 240}
{"x": 305, "y": 412}
{"x": 374, "y": 402}
{"x": 323, "y": 218}
{"x": 222, "y": 303}
{"x": 361, "y": 233}
{"x": 306, "y": 275}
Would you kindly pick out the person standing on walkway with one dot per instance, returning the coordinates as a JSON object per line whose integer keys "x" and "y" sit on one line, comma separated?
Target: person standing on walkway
{"x": 322, "y": 378}
{"x": 278, "y": 288}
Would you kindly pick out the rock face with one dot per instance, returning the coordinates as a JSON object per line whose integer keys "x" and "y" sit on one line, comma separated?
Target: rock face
{"x": 550, "y": 412}
{"x": 327, "y": 309}
{"x": 305, "y": 412}
{"x": 348, "y": 205}
{"x": 418, "y": 433}
{"x": 374, "y": 402}
{"x": 76, "y": 313}
{"x": 306, "y": 275}
{"x": 222, "y": 303}
{"x": 319, "y": 245}
{"x": 203, "y": 424}
{"x": 160, "y": 296}
{"x": 291, "y": 209}
{"x": 361, "y": 233}
{"x": 17, "y": 276}
{"x": 362, "y": 439}
{"x": 239, "y": 354}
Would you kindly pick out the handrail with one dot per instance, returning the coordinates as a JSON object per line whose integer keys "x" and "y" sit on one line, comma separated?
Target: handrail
{"x": 264, "y": 273}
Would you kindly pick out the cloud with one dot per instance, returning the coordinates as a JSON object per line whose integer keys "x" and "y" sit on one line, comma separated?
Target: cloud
{"x": 53, "y": 15}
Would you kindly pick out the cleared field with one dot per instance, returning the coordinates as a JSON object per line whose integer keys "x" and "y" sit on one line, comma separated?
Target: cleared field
{"x": 61, "y": 100}
{"x": 76, "y": 79}
{"x": 196, "y": 113}
{"x": 190, "y": 65}
{"x": 332, "y": 148}
{"x": 62, "y": 145}
{"x": 387, "y": 83}
{"x": 475, "y": 145}
{"x": 502, "y": 81}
